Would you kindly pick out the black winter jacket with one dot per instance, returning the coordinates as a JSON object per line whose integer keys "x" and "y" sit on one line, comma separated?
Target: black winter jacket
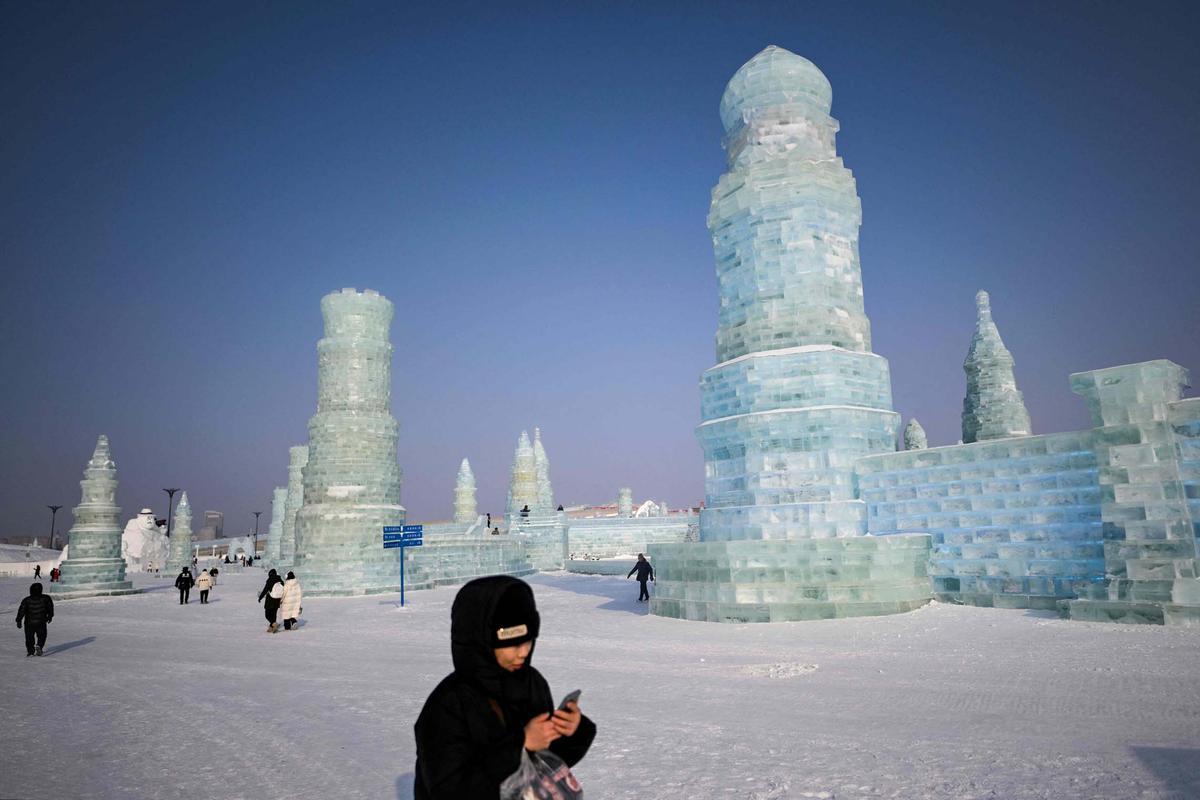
{"x": 36, "y": 609}
{"x": 184, "y": 581}
{"x": 468, "y": 739}
{"x": 271, "y": 602}
{"x": 644, "y": 571}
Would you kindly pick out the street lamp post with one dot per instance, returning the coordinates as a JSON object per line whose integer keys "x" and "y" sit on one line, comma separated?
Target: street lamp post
{"x": 53, "y": 514}
{"x": 256, "y": 515}
{"x": 170, "y": 499}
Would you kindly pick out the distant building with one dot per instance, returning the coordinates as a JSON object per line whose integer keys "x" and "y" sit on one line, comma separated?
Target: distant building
{"x": 213, "y": 527}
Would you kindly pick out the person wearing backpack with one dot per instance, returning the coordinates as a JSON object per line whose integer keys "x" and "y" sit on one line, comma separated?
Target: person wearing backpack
{"x": 272, "y": 592}
{"x": 184, "y": 584}
{"x": 35, "y": 611}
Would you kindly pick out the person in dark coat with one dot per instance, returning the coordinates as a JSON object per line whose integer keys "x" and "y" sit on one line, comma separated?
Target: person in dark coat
{"x": 645, "y": 572}
{"x": 37, "y": 570}
{"x": 475, "y": 723}
{"x": 273, "y": 597}
{"x": 36, "y": 611}
{"x": 184, "y": 584}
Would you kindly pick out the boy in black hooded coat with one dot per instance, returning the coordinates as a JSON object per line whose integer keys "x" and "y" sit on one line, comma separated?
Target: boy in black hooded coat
{"x": 35, "y": 610}
{"x": 475, "y": 723}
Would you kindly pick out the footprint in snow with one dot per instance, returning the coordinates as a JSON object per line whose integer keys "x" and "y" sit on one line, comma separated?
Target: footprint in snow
{"x": 785, "y": 670}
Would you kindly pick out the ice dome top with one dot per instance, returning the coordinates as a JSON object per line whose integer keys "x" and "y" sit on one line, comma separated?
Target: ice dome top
{"x": 774, "y": 77}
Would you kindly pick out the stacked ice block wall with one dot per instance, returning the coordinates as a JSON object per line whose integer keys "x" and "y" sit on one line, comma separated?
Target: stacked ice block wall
{"x": 1141, "y": 437}
{"x": 351, "y": 479}
{"x": 94, "y": 565}
{"x": 605, "y": 537}
{"x": 797, "y": 395}
{"x": 522, "y": 484}
{"x": 1015, "y": 522}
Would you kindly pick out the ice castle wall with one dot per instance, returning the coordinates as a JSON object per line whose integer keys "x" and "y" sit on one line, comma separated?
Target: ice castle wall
{"x": 605, "y": 537}
{"x": 1015, "y": 522}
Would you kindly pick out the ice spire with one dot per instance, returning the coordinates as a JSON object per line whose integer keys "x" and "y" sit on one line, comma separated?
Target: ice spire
{"x": 625, "y": 502}
{"x": 993, "y": 408}
{"x": 522, "y": 487}
{"x": 914, "y": 436}
{"x": 275, "y": 529}
{"x": 545, "y": 493}
{"x": 297, "y": 461}
{"x": 94, "y": 564}
{"x": 181, "y": 537}
{"x": 465, "y": 509}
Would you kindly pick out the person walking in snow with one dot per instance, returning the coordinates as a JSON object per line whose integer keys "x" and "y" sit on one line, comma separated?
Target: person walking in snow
{"x": 272, "y": 591}
{"x": 37, "y": 571}
{"x": 184, "y": 584}
{"x": 289, "y": 604}
{"x": 474, "y": 725}
{"x": 36, "y": 611}
{"x": 645, "y": 572}
{"x": 204, "y": 583}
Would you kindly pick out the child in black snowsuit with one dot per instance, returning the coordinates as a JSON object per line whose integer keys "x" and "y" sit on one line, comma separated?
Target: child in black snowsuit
{"x": 36, "y": 611}
{"x": 474, "y": 725}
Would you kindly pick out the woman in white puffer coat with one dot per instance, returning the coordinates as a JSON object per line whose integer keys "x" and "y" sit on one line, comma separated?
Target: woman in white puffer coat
{"x": 289, "y": 606}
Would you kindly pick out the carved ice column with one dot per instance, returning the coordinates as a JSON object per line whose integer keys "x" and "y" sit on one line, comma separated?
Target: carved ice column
{"x": 522, "y": 486}
{"x": 181, "y": 538}
{"x": 914, "y": 436}
{"x": 993, "y": 408}
{"x": 297, "y": 460}
{"x": 275, "y": 529}
{"x": 352, "y": 479}
{"x": 545, "y": 492}
{"x": 625, "y": 502}
{"x": 94, "y": 565}
{"x": 465, "y": 508}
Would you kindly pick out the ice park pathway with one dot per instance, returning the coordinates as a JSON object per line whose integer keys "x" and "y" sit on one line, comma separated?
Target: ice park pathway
{"x": 139, "y": 697}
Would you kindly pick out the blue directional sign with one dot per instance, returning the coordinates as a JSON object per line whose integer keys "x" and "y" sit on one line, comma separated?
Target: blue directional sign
{"x": 392, "y": 545}
{"x": 414, "y": 528}
{"x": 394, "y": 537}
{"x": 392, "y": 529}
{"x": 412, "y": 535}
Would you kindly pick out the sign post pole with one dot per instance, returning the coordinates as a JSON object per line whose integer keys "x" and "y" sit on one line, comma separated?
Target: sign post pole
{"x": 403, "y": 537}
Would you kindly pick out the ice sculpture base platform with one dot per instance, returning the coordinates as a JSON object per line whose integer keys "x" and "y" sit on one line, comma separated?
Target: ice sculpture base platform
{"x": 790, "y": 580}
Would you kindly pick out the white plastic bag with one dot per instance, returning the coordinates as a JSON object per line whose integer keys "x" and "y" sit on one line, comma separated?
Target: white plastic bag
{"x": 541, "y": 776}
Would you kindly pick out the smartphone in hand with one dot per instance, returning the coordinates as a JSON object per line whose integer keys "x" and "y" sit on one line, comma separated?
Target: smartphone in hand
{"x": 573, "y": 697}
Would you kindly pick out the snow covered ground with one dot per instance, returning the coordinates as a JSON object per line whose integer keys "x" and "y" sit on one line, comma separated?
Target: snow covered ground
{"x": 139, "y": 697}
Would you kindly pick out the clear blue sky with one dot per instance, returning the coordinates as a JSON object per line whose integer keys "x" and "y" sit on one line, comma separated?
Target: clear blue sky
{"x": 181, "y": 183}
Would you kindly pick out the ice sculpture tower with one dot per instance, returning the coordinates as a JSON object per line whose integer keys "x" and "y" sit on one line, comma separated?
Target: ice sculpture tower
{"x": 94, "y": 565}
{"x": 522, "y": 485}
{"x": 994, "y": 407}
{"x": 351, "y": 479}
{"x": 541, "y": 465}
{"x": 914, "y": 436}
{"x": 297, "y": 461}
{"x": 275, "y": 529}
{"x": 796, "y": 395}
{"x": 465, "y": 508}
{"x": 181, "y": 538}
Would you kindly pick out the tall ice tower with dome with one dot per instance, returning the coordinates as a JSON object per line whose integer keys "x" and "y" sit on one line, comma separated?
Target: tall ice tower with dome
{"x": 796, "y": 395}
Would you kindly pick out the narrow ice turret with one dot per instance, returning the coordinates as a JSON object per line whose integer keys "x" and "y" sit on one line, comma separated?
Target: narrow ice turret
{"x": 994, "y": 408}
{"x": 545, "y": 492}
{"x": 297, "y": 461}
{"x": 914, "y": 436}
{"x": 275, "y": 529}
{"x": 181, "y": 537}
{"x": 465, "y": 508}
{"x": 522, "y": 486}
